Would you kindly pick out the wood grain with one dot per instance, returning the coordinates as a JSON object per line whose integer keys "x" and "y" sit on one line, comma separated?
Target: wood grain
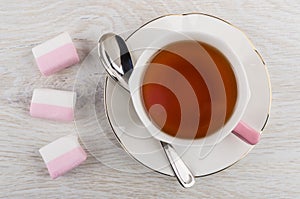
{"x": 271, "y": 170}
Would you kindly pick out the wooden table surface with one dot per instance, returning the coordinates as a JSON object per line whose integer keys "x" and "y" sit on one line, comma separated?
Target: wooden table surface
{"x": 271, "y": 170}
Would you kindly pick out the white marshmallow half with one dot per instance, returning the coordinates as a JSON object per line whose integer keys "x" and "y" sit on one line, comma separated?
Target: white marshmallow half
{"x": 54, "y": 97}
{"x": 59, "y": 147}
{"x": 51, "y": 44}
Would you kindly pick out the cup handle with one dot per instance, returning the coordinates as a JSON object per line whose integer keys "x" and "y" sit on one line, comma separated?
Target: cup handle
{"x": 246, "y": 133}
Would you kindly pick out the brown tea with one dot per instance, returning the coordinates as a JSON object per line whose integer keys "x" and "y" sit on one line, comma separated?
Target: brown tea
{"x": 189, "y": 89}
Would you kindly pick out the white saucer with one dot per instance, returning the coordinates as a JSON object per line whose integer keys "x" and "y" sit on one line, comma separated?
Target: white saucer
{"x": 137, "y": 141}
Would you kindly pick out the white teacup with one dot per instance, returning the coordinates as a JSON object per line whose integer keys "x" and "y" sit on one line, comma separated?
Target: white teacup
{"x": 243, "y": 91}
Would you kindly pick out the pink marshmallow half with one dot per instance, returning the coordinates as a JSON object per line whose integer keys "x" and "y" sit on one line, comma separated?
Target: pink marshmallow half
{"x": 53, "y": 104}
{"x": 55, "y": 54}
{"x": 62, "y": 155}
{"x": 246, "y": 133}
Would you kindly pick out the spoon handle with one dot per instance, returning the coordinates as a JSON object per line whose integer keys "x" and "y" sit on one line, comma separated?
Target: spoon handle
{"x": 182, "y": 173}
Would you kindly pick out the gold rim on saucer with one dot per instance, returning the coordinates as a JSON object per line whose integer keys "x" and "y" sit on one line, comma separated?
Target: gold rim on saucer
{"x": 255, "y": 50}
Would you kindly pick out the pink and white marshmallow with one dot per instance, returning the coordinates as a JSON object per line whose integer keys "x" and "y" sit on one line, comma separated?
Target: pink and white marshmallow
{"x": 246, "y": 133}
{"x": 55, "y": 54}
{"x": 53, "y": 104}
{"x": 62, "y": 155}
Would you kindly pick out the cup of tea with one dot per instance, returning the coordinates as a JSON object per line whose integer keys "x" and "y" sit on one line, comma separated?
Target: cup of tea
{"x": 190, "y": 88}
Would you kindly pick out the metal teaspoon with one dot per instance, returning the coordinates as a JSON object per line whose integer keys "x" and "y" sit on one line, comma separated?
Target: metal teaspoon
{"x": 116, "y": 59}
